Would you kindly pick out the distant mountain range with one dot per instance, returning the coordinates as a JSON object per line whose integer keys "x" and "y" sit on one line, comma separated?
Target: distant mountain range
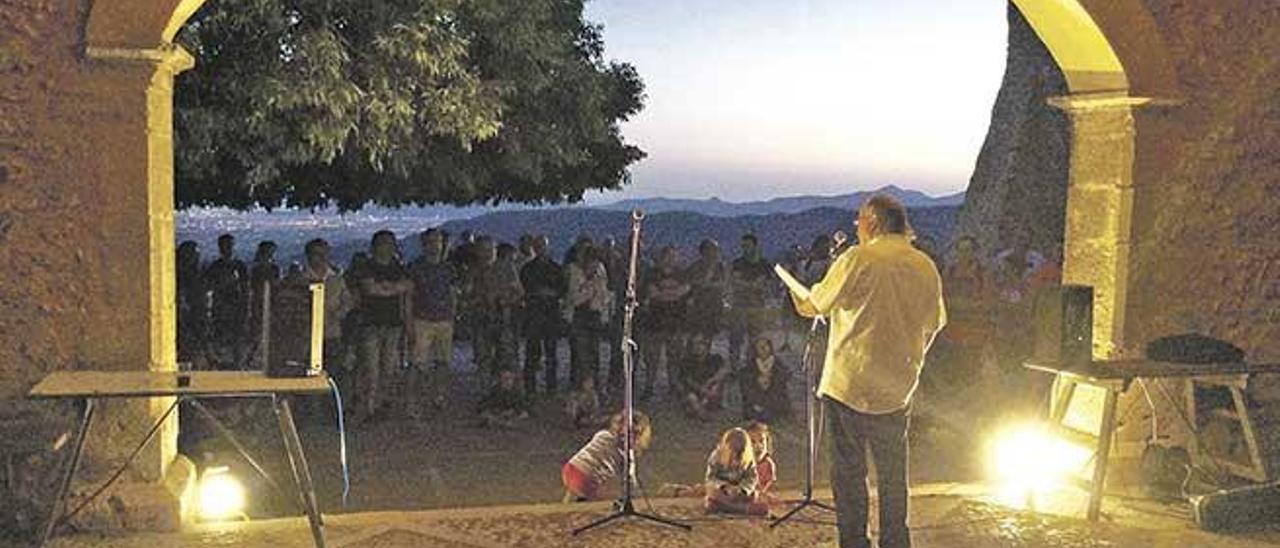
{"x": 779, "y": 223}
{"x": 715, "y": 207}
{"x": 778, "y": 233}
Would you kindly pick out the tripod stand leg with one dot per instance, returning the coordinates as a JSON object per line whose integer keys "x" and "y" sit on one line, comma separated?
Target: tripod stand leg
{"x": 597, "y": 523}
{"x": 788, "y": 515}
{"x": 663, "y": 521}
{"x": 803, "y": 504}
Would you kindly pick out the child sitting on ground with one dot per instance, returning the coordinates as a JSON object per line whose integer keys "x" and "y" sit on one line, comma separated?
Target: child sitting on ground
{"x": 601, "y": 460}
{"x": 702, "y": 378}
{"x": 504, "y": 405}
{"x": 766, "y": 468}
{"x": 583, "y": 405}
{"x": 732, "y": 478}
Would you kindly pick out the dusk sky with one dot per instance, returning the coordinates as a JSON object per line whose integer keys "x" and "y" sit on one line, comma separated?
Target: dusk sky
{"x": 758, "y": 98}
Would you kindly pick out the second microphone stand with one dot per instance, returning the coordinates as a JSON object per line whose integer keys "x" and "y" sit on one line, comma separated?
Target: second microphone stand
{"x": 625, "y": 506}
{"x": 810, "y": 418}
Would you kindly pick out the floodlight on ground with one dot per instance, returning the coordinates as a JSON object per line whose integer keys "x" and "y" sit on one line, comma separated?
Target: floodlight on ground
{"x": 1028, "y": 462}
{"x": 221, "y": 495}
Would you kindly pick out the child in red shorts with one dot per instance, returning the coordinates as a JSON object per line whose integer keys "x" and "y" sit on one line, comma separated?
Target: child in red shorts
{"x": 601, "y": 459}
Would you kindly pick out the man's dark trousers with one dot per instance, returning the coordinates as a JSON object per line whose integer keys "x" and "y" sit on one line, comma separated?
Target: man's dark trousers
{"x": 851, "y": 434}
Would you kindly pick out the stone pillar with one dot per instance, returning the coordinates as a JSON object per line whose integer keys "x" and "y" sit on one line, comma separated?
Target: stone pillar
{"x": 1099, "y": 251}
{"x": 1099, "y": 222}
{"x": 126, "y": 134}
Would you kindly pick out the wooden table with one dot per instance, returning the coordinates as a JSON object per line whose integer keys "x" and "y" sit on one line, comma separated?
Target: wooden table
{"x": 1115, "y": 377}
{"x": 90, "y": 386}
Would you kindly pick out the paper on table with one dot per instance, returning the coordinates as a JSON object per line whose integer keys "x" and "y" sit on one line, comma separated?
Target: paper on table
{"x": 791, "y": 282}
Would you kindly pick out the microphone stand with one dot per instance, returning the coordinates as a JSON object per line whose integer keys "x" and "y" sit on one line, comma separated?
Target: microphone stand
{"x": 624, "y": 505}
{"x": 811, "y": 440}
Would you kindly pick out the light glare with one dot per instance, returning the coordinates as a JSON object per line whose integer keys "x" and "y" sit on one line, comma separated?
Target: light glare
{"x": 221, "y": 495}
{"x": 1029, "y": 462}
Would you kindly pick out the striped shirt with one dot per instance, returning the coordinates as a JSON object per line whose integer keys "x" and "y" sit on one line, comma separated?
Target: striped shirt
{"x": 601, "y": 458}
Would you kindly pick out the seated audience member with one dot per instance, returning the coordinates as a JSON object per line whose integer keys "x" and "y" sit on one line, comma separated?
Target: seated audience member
{"x": 602, "y": 458}
{"x": 766, "y": 468}
{"x": 583, "y": 405}
{"x": 702, "y": 377}
{"x": 731, "y": 480}
{"x": 764, "y": 385}
{"x": 504, "y": 405}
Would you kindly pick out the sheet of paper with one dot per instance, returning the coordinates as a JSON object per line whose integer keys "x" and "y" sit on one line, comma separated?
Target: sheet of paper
{"x": 791, "y": 282}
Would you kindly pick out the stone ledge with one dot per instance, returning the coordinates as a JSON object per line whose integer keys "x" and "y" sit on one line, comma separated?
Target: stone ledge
{"x": 165, "y": 506}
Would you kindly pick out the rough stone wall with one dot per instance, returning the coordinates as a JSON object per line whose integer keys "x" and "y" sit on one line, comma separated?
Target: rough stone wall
{"x": 86, "y": 237}
{"x": 44, "y": 283}
{"x": 1207, "y": 176}
{"x": 1017, "y": 193}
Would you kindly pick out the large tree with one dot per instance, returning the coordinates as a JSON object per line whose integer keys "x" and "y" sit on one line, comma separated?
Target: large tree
{"x": 345, "y": 102}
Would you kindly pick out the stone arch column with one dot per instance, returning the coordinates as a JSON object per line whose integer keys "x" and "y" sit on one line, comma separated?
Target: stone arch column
{"x": 1100, "y": 107}
{"x": 1116, "y": 65}
{"x": 86, "y": 225}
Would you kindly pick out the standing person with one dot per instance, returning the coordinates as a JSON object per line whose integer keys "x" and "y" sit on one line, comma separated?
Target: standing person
{"x": 969, "y": 314}
{"x": 481, "y": 295}
{"x": 588, "y": 304}
{"x": 227, "y": 281}
{"x": 708, "y": 281}
{"x": 383, "y": 285}
{"x": 508, "y": 294}
{"x": 750, "y": 282}
{"x": 663, "y": 318}
{"x": 433, "y": 303}
{"x": 525, "y": 246}
{"x": 338, "y": 301}
{"x": 544, "y": 287}
{"x": 615, "y": 264}
{"x": 192, "y": 310}
{"x": 884, "y": 301}
{"x": 263, "y": 275}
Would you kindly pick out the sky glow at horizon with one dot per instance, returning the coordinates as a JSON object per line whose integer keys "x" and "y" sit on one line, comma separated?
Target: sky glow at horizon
{"x": 756, "y": 98}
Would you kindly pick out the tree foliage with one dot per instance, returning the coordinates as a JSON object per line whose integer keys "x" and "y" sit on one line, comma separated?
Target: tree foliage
{"x": 345, "y": 102}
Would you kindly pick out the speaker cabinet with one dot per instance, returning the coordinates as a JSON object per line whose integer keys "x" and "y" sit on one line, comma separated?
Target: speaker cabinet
{"x": 294, "y": 338}
{"x": 1064, "y": 325}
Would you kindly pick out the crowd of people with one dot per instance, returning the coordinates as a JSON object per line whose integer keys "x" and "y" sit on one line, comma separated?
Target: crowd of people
{"x": 391, "y": 326}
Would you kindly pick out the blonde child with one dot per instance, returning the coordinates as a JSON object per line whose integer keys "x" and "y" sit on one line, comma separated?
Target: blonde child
{"x": 602, "y": 458}
{"x": 766, "y": 468}
{"x": 731, "y": 480}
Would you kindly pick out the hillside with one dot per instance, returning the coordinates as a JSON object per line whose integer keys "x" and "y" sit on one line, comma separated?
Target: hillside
{"x": 715, "y": 207}
{"x": 791, "y": 224}
{"x": 685, "y": 230}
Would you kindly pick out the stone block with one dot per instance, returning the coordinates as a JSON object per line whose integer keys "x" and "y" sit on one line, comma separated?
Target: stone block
{"x": 167, "y": 505}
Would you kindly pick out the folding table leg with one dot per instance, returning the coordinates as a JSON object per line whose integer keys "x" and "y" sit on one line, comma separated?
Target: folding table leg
{"x": 298, "y": 464}
{"x": 86, "y": 421}
{"x": 1105, "y": 431}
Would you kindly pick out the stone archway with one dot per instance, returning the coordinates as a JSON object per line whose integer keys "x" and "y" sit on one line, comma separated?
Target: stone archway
{"x": 1104, "y": 92}
{"x": 86, "y": 198}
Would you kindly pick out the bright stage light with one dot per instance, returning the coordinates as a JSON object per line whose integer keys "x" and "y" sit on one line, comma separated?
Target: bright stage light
{"x": 221, "y": 495}
{"x": 1029, "y": 462}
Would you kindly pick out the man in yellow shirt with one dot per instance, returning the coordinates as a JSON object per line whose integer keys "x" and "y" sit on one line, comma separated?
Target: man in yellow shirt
{"x": 883, "y": 300}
